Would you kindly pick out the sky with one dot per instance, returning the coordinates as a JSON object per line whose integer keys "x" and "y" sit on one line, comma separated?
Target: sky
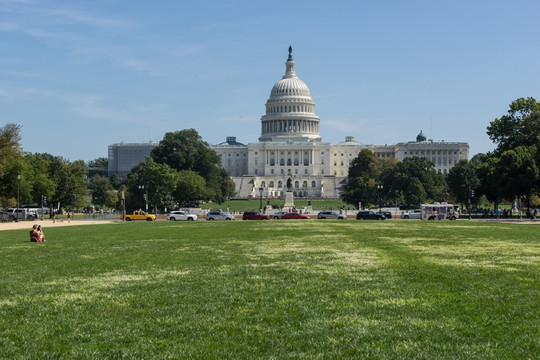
{"x": 82, "y": 75}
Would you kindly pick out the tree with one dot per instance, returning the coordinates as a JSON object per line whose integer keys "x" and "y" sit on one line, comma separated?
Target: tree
{"x": 190, "y": 187}
{"x": 520, "y": 127}
{"x": 98, "y": 166}
{"x": 101, "y": 190}
{"x": 185, "y": 150}
{"x": 10, "y": 137}
{"x": 70, "y": 180}
{"x": 517, "y": 173}
{"x": 159, "y": 182}
{"x": 362, "y": 180}
{"x": 413, "y": 181}
{"x": 461, "y": 179}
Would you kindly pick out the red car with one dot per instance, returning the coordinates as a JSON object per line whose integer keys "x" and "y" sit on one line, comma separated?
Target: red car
{"x": 254, "y": 215}
{"x": 294, "y": 215}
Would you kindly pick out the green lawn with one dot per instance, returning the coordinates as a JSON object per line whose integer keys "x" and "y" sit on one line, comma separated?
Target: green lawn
{"x": 272, "y": 290}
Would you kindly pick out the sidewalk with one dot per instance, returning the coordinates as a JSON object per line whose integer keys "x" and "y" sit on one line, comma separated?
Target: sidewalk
{"x": 48, "y": 223}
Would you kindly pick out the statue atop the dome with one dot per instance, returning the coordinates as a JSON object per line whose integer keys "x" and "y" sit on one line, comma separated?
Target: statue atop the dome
{"x": 290, "y": 53}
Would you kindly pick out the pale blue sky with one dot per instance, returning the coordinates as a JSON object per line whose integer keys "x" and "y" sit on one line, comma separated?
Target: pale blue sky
{"x": 81, "y": 75}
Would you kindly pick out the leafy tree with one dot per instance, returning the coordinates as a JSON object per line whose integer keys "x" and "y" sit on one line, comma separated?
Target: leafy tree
{"x": 159, "y": 182}
{"x": 413, "y": 181}
{"x": 190, "y": 187}
{"x": 517, "y": 173}
{"x": 70, "y": 180}
{"x": 115, "y": 180}
{"x": 520, "y": 127}
{"x": 10, "y": 137}
{"x": 101, "y": 190}
{"x": 185, "y": 150}
{"x": 98, "y": 166}
{"x": 362, "y": 180}
{"x": 461, "y": 179}
{"x": 42, "y": 185}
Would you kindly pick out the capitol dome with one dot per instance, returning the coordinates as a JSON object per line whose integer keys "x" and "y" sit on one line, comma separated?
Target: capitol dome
{"x": 290, "y": 110}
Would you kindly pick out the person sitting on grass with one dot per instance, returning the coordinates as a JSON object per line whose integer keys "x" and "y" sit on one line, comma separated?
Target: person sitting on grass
{"x": 36, "y": 234}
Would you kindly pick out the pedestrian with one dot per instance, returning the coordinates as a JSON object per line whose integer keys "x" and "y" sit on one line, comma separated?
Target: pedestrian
{"x": 69, "y": 216}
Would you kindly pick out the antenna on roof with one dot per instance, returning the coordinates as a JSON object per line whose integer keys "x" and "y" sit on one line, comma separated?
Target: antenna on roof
{"x": 430, "y": 134}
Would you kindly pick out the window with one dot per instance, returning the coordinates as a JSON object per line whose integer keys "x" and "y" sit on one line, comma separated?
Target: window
{"x": 313, "y": 184}
{"x": 279, "y": 184}
{"x": 271, "y": 184}
{"x": 304, "y": 184}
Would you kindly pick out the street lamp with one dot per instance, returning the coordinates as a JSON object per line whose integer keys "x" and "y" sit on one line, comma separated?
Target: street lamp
{"x": 141, "y": 187}
{"x": 18, "y": 188}
{"x": 379, "y": 188}
{"x": 260, "y": 198}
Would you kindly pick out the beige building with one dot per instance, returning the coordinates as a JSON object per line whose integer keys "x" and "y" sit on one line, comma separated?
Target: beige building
{"x": 290, "y": 150}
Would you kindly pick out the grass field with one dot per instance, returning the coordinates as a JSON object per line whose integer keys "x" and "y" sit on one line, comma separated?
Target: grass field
{"x": 272, "y": 290}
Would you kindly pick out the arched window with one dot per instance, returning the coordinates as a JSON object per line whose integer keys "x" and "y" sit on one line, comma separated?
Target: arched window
{"x": 279, "y": 184}
{"x": 263, "y": 184}
{"x": 296, "y": 184}
{"x": 304, "y": 184}
{"x": 271, "y": 184}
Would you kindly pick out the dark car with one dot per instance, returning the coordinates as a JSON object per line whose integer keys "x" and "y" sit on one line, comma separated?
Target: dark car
{"x": 254, "y": 215}
{"x": 294, "y": 215}
{"x": 387, "y": 214}
{"x": 369, "y": 215}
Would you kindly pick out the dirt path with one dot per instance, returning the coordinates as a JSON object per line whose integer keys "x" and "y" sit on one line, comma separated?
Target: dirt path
{"x": 48, "y": 224}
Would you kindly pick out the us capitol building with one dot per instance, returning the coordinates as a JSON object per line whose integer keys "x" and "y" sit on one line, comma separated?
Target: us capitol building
{"x": 291, "y": 152}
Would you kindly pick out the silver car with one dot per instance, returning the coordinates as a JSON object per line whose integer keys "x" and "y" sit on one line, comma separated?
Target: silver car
{"x": 330, "y": 215}
{"x": 411, "y": 214}
{"x": 277, "y": 215}
{"x": 181, "y": 215}
{"x": 218, "y": 215}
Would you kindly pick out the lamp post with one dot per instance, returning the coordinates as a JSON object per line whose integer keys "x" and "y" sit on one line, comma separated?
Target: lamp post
{"x": 379, "y": 188}
{"x": 260, "y": 198}
{"x": 18, "y": 188}
{"x": 141, "y": 187}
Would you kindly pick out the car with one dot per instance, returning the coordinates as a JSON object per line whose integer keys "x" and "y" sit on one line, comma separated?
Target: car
{"x": 181, "y": 215}
{"x": 218, "y": 215}
{"x": 278, "y": 215}
{"x": 330, "y": 215}
{"x": 254, "y": 215}
{"x": 294, "y": 215}
{"x": 369, "y": 215}
{"x": 387, "y": 214}
{"x": 411, "y": 214}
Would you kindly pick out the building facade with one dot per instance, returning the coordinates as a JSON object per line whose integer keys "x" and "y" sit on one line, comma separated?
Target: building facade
{"x": 124, "y": 156}
{"x": 290, "y": 150}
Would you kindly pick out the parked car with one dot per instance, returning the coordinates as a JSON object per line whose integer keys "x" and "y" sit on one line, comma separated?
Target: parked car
{"x": 411, "y": 214}
{"x": 254, "y": 215}
{"x": 218, "y": 215}
{"x": 278, "y": 215}
{"x": 330, "y": 215}
{"x": 294, "y": 215}
{"x": 21, "y": 214}
{"x": 387, "y": 214}
{"x": 369, "y": 215}
{"x": 181, "y": 215}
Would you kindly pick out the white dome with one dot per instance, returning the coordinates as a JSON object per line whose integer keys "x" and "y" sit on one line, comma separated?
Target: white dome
{"x": 290, "y": 110}
{"x": 292, "y": 86}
